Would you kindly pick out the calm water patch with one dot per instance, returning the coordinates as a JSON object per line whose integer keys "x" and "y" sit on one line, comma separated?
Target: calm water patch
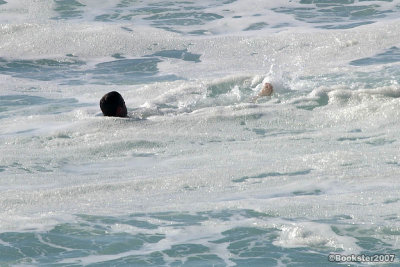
{"x": 181, "y": 16}
{"x": 11, "y": 105}
{"x": 68, "y": 9}
{"x": 389, "y": 56}
{"x": 256, "y": 26}
{"x": 170, "y": 16}
{"x": 40, "y": 69}
{"x": 342, "y": 14}
{"x": 71, "y": 70}
{"x": 178, "y": 54}
{"x": 307, "y": 193}
{"x": 344, "y": 25}
{"x": 380, "y": 142}
{"x": 128, "y": 240}
{"x": 272, "y": 174}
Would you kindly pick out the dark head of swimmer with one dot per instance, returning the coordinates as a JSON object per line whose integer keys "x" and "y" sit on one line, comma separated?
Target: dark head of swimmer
{"x": 113, "y": 105}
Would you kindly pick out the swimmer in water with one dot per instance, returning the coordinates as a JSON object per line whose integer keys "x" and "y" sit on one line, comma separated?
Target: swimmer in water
{"x": 113, "y": 105}
{"x": 267, "y": 90}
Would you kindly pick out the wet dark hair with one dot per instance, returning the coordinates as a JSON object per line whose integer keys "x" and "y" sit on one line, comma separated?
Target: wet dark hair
{"x": 110, "y": 102}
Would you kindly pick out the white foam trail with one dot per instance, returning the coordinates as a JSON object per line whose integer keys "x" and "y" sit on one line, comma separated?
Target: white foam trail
{"x": 315, "y": 236}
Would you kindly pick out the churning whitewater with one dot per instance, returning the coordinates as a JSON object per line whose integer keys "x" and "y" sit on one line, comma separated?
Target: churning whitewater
{"x": 203, "y": 172}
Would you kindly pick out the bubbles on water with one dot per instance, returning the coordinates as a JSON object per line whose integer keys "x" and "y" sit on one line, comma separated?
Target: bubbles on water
{"x": 197, "y": 140}
{"x": 231, "y": 237}
{"x": 315, "y": 236}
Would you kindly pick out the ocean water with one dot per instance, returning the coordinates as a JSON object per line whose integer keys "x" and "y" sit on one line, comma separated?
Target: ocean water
{"x": 201, "y": 174}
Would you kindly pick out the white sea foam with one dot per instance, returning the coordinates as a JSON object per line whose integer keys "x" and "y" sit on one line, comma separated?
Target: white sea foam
{"x": 315, "y": 236}
{"x": 321, "y": 151}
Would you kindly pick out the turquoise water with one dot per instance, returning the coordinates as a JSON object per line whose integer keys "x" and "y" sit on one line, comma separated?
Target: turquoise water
{"x": 98, "y": 241}
{"x": 201, "y": 173}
